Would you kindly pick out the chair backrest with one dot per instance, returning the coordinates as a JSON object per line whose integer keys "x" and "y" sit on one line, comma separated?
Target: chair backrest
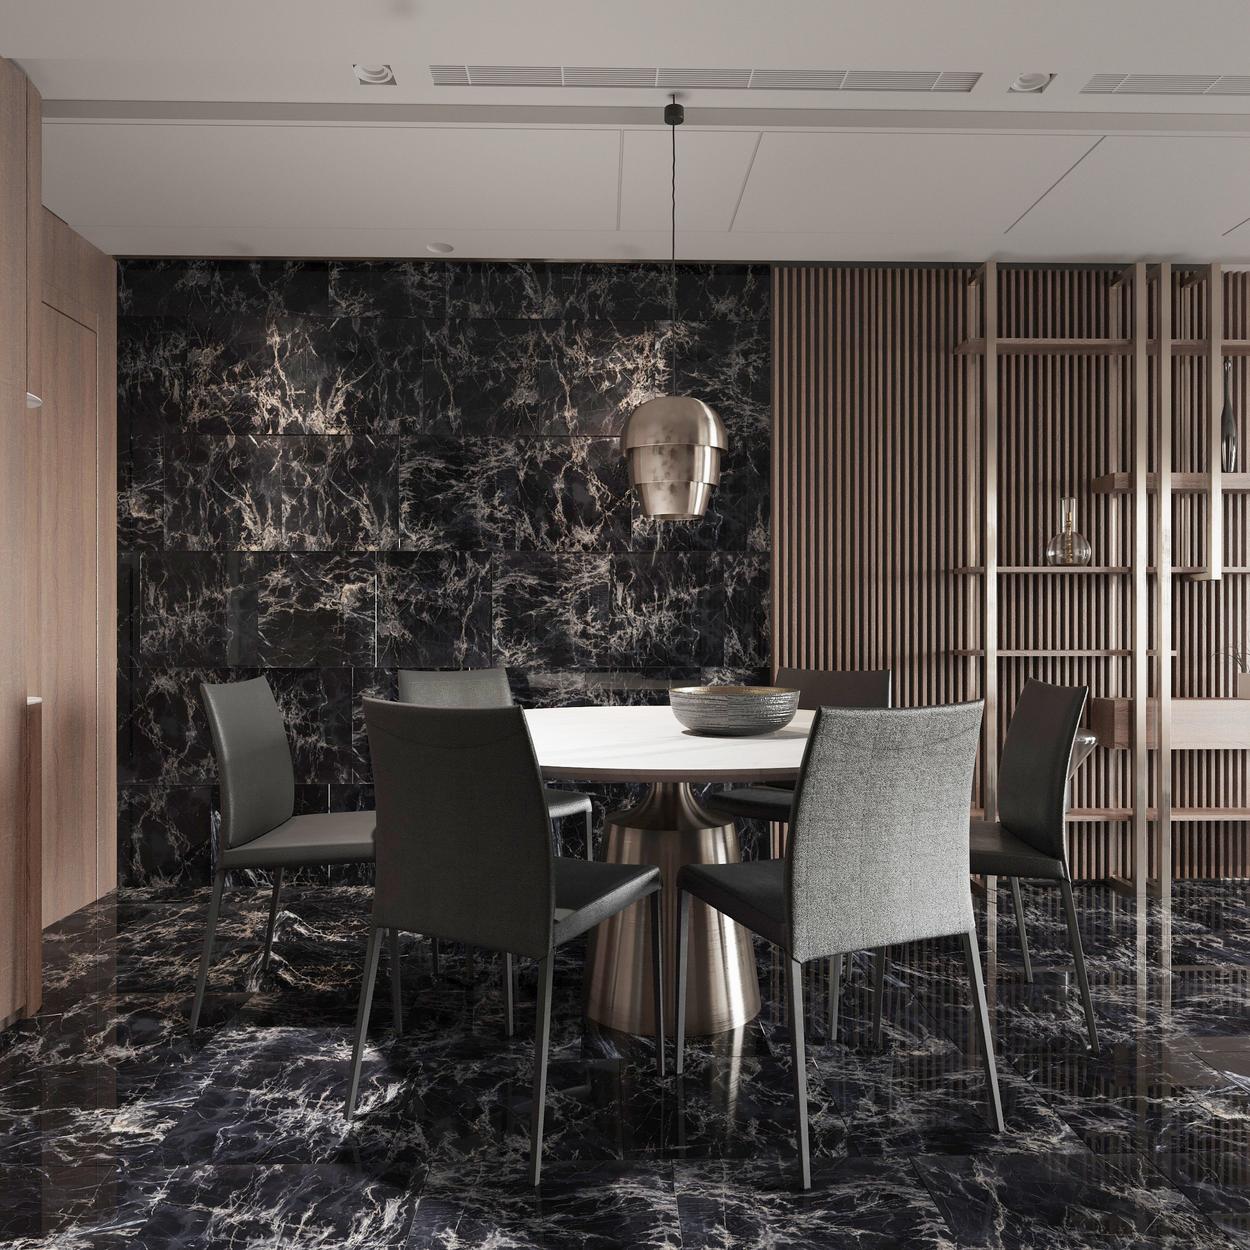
{"x": 462, "y": 844}
{"x": 468, "y": 688}
{"x": 253, "y": 758}
{"x": 819, "y": 687}
{"x": 1037, "y": 757}
{"x": 878, "y": 849}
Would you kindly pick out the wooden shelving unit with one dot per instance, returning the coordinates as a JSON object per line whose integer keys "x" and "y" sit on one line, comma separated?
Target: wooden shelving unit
{"x": 1182, "y": 483}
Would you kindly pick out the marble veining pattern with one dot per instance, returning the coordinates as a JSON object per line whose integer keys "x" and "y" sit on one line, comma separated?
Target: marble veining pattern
{"x": 117, "y": 1129}
{"x": 328, "y": 471}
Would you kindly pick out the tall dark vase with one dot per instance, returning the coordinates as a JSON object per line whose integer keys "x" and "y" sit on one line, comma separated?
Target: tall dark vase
{"x": 1228, "y": 425}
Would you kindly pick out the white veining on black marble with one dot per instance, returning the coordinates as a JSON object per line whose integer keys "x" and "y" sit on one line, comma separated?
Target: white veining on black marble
{"x": 333, "y": 469}
{"x": 118, "y": 1129}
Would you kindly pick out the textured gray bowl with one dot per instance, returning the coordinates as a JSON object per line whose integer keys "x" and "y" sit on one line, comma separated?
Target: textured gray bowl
{"x": 733, "y": 711}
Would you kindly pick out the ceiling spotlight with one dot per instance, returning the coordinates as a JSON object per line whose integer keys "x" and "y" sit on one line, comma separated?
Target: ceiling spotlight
{"x": 440, "y": 249}
{"x": 1031, "y": 84}
{"x": 374, "y": 75}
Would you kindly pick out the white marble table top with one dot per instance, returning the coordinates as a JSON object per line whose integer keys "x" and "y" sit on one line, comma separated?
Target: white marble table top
{"x": 649, "y": 744}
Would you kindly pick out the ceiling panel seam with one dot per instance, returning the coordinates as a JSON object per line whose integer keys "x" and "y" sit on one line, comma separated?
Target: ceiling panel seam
{"x": 1053, "y": 185}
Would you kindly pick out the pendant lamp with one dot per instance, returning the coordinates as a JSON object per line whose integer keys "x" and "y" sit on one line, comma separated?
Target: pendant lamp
{"x": 673, "y": 443}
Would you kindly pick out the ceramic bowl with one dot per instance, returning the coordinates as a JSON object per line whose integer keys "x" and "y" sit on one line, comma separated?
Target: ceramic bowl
{"x": 733, "y": 711}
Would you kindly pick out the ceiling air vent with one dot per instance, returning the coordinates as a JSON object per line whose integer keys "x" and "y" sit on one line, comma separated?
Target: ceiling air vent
{"x": 607, "y": 76}
{"x": 797, "y": 79}
{"x": 450, "y": 75}
{"x": 712, "y": 79}
{"x": 515, "y": 76}
{"x": 1168, "y": 84}
{"x": 691, "y": 78}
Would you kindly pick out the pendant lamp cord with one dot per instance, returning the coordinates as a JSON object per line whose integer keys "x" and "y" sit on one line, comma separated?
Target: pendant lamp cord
{"x": 672, "y": 271}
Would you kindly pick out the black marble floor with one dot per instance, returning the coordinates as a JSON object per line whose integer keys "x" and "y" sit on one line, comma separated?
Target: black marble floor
{"x": 119, "y": 1130}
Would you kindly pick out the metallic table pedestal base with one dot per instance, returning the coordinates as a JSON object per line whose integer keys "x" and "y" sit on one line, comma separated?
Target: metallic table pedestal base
{"x": 669, "y": 828}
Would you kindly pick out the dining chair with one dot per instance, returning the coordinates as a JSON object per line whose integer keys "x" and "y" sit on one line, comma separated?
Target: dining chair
{"x": 876, "y": 858}
{"x": 1028, "y": 840}
{"x": 817, "y": 688}
{"x": 488, "y": 687}
{"x": 258, "y": 826}
{"x": 463, "y": 852}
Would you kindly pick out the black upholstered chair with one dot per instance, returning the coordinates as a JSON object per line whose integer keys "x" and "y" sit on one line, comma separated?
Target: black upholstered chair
{"x": 258, "y": 826}
{"x": 463, "y": 852}
{"x": 1027, "y": 839}
{"x": 488, "y": 687}
{"x": 876, "y": 858}
{"x": 817, "y": 688}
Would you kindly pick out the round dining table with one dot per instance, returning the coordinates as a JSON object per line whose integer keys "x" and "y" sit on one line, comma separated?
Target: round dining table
{"x": 668, "y": 827}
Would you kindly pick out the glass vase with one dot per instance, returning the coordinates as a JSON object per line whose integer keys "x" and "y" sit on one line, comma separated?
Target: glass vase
{"x": 1068, "y": 547}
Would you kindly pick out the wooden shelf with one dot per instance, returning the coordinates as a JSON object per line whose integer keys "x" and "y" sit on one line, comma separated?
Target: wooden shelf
{"x": 1182, "y": 483}
{"x": 1199, "y": 347}
{"x": 1186, "y": 570}
{"x": 1048, "y": 347}
{"x": 1063, "y": 569}
{"x": 1006, "y": 653}
{"x": 1197, "y": 724}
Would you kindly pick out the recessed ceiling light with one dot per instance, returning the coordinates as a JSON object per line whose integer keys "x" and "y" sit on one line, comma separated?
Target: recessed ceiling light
{"x": 440, "y": 249}
{"x": 1031, "y": 84}
{"x": 374, "y": 75}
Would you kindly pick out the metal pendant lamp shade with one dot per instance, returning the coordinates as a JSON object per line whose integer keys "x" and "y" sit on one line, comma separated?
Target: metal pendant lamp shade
{"x": 673, "y": 443}
{"x": 673, "y": 446}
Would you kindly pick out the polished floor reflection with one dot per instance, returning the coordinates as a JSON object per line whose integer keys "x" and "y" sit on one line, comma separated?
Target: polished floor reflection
{"x": 118, "y": 1130}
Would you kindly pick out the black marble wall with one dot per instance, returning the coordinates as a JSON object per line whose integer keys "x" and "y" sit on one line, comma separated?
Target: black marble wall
{"x": 331, "y": 471}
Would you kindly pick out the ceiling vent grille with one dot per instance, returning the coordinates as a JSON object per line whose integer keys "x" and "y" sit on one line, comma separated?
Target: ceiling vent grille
{"x": 1168, "y": 84}
{"x": 707, "y": 79}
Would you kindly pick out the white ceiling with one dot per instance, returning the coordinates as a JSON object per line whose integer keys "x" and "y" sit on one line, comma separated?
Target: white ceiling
{"x": 236, "y": 128}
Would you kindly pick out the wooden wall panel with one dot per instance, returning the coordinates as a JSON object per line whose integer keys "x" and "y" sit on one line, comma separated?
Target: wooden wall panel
{"x": 15, "y": 940}
{"x": 78, "y": 528}
{"x": 877, "y": 498}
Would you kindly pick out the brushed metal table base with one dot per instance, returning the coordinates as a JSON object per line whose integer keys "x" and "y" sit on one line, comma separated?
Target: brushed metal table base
{"x": 669, "y": 828}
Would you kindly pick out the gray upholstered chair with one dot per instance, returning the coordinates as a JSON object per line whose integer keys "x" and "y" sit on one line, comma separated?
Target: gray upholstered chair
{"x": 259, "y": 828}
{"x": 817, "y": 688}
{"x": 463, "y": 852}
{"x": 876, "y": 857}
{"x": 1027, "y": 839}
{"x": 488, "y": 687}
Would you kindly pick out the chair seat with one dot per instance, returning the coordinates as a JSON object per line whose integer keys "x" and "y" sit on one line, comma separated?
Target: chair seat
{"x": 591, "y": 892}
{"x": 754, "y": 893}
{"x": 753, "y": 802}
{"x": 561, "y": 803}
{"x": 321, "y": 838}
{"x": 997, "y": 851}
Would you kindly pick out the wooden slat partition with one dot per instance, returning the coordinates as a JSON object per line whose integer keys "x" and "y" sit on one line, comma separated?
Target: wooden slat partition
{"x": 878, "y": 488}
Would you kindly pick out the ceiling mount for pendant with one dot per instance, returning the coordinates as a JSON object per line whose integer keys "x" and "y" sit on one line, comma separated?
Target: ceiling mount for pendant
{"x": 673, "y": 443}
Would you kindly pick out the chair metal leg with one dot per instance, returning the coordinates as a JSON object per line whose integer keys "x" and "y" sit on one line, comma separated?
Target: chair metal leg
{"x": 397, "y": 985}
{"x": 214, "y": 906}
{"x": 1078, "y": 955}
{"x": 657, "y": 977}
{"x": 542, "y": 1042}
{"x": 509, "y": 1017}
{"x": 273, "y": 920}
{"x": 362, "y": 1015}
{"x": 878, "y": 994}
{"x": 590, "y": 834}
{"x": 976, "y": 986}
{"x": 798, "y": 1051}
{"x": 683, "y": 943}
{"x": 835, "y": 993}
{"x": 1018, "y": 901}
